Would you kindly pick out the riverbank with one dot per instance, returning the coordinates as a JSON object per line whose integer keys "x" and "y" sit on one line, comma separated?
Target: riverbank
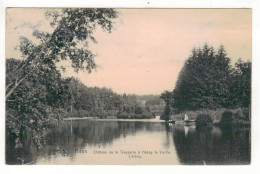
{"x": 80, "y": 118}
{"x": 85, "y": 118}
{"x": 156, "y": 119}
{"x": 239, "y": 116}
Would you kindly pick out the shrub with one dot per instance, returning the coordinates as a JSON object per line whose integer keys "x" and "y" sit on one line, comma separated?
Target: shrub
{"x": 100, "y": 114}
{"x": 237, "y": 118}
{"x": 203, "y": 120}
{"x": 83, "y": 113}
{"x": 74, "y": 113}
{"x": 91, "y": 113}
{"x": 144, "y": 115}
{"x": 147, "y": 114}
{"x": 228, "y": 119}
{"x": 123, "y": 115}
{"x": 139, "y": 110}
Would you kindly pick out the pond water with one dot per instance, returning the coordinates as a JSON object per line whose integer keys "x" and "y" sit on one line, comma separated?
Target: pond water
{"x": 135, "y": 142}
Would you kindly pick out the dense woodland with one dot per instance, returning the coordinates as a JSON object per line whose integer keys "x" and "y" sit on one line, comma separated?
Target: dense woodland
{"x": 44, "y": 99}
{"x": 209, "y": 81}
{"x": 71, "y": 97}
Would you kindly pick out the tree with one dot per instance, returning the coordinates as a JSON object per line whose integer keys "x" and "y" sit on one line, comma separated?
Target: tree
{"x": 167, "y": 97}
{"x": 208, "y": 81}
{"x": 203, "y": 80}
{"x": 33, "y": 106}
{"x": 36, "y": 95}
{"x": 72, "y": 29}
{"x": 240, "y": 85}
{"x": 203, "y": 120}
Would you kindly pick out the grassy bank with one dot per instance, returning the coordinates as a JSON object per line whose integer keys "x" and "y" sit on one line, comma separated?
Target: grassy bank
{"x": 85, "y": 118}
{"x": 239, "y": 116}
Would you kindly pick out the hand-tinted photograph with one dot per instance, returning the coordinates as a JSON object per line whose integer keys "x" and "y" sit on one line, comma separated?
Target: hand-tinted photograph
{"x": 97, "y": 86}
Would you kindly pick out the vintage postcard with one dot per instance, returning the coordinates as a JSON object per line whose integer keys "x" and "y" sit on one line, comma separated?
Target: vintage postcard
{"x": 119, "y": 86}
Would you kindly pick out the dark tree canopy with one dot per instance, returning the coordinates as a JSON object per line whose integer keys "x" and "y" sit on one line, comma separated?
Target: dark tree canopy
{"x": 240, "y": 88}
{"x": 202, "y": 83}
{"x": 167, "y": 96}
{"x": 208, "y": 81}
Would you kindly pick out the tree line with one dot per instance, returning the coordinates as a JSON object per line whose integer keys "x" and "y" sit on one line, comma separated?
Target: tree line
{"x": 45, "y": 98}
{"x": 209, "y": 81}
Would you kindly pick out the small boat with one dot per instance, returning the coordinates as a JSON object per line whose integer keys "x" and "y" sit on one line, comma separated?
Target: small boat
{"x": 170, "y": 121}
{"x": 188, "y": 120}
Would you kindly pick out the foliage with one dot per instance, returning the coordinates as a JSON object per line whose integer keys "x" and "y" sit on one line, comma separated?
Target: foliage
{"x": 203, "y": 120}
{"x": 241, "y": 114}
{"x": 240, "y": 86}
{"x": 36, "y": 95}
{"x": 97, "y": 101}
{"x": 207, "y": 81}
{"x": 155, "y": 100}
{"x": 227, "y": 119}
{"x": 167, "y": 97}
{"x": 214, "y": 114}
{"x": 144, "y": 115}
{"x": 203, "y": 81}
{"x": 33, "y": 105}
{"x": 72, "y": 31}
{"x": 230, "y": 119}
{"x": 152, "y": 103}
{"x": 131, "y": 108}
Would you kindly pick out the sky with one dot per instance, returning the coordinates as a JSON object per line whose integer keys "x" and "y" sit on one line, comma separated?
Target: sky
{"x": 147, "y": 48}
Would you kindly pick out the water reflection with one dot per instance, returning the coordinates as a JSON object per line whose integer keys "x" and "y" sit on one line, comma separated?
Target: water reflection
{"x": 186, "y": 144}
{"x": 211, "y": 145}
